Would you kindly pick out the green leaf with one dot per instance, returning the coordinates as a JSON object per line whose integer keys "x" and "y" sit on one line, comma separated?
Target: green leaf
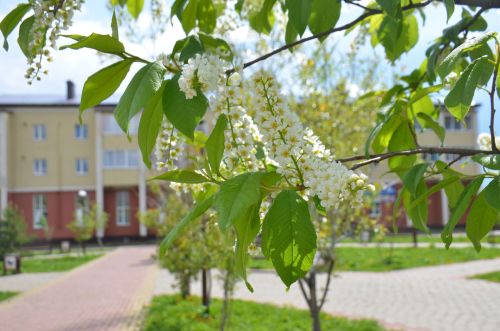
{"x": 103, "y": 84}
{"x": 140, "y": 90}
{"x": 215, "y": 144}
{"x": 420, "y": 213}
{"x": 206, "y": 15}
{"x": 25, "y": 35}
{"x": 236, "y": 197}
{"x": 391, "y": 7}
{"x": 492, "y": 193}
{"x": 402, "y": 139}
{"x": 298, "y": 14}
{"x": 451, "y": 60}
{"x": 198, "y": 210}
{"x": 459, "y": 99}
{"x": 190, "y": 48}
{"x": 149, "y": 126}
{"x": 488, "y": 161}
{"x": 429, "y": 123}
{"x": 216, "y": 45}
{"x": 11, "y": 20}
{"x": 413, "y": 177}
{"x": 450, "y": 8}
{"x": 288, "y": 236}
{"x": 263, "y": 20}
{"x": 135, "y": 7}
{"x": 189, "y": 14}
{"x": 100, "y": 42}
{"x": 436, "y": 188}
{"x": 247, "y": 227}
{"x": 114, "y": 27}
{"x": 324, "y": 15}
{"x": 453, "y": 190}
{"x": 481, "y": 220}
{"x": 182, "y": 176}
{"x": 177, "y": 8}
{"x": 184, "y": 114}
{"x": 384, "y": 135}
{"x": 290, "y": 34}
{"x": 459, "y": 209}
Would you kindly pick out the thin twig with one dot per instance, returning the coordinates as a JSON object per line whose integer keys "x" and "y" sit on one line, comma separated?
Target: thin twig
{"x": 326, "y": 33}
{"x": 327, "y": 285}
{"x": 455, "y": 160}
{"x": 375, "y": 158}
{"x": 304, "y": 293}
{"x": 492, "y": 102}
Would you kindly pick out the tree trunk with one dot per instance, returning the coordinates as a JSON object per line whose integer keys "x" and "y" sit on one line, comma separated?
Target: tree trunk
{"x": 185, "y": 286}
{"x": 314, "y": 310}
{"x": 82, "y": 245}
{"x": 205, "y": 295}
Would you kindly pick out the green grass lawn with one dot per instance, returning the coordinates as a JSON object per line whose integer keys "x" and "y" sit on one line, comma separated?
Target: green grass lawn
{"x": 407, "y": 238}
{"x": 171, "y": 313}
{"x": 490, "y": 276}
{"x": 6, "y": 295}
{"x": 55, "y": 264}
{"x": 386, "y": 259}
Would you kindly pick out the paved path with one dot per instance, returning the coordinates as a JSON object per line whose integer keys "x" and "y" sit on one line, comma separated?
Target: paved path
{"x": 25, "y": 282}
{"x": 105, "y": 294}
{"x": 431, "y": 298}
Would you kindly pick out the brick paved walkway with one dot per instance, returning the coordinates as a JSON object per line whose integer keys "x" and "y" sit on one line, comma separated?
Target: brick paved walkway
{"x": 105, "y": 294}
{"x": 431, "y": 298}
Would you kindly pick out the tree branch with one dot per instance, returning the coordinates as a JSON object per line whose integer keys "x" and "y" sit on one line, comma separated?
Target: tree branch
{"x": 492, "y": 102}
{"x": 304, "y": 293}
{"x": 375, "y": 158}
{"x": 487, "y": 4}
{"x": 327, "y": 285}
{"x": 349, "y": 25}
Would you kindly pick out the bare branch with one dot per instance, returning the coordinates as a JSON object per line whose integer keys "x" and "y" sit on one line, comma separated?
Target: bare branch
{"x": 304, "y": 293}
{"x": 347, "y": 26}
{"x": 327, "y": 285}
{"x": 375, "y": 158}
{"x": 492, "y": 102}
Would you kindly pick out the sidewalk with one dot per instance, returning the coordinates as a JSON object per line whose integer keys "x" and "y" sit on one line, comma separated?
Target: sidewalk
{"x": 105, "y": 294}
{"x": 437, "y": 298}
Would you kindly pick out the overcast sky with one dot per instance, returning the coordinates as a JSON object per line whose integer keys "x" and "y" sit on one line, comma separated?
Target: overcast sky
{"x": 95, "y": 17}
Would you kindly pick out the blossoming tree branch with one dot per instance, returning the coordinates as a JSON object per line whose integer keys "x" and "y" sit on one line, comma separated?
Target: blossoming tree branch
{"x": 264, "y": 170}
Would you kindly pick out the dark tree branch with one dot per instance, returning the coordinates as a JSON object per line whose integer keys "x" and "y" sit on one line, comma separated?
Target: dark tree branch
{"x": 454, "y": 161}
{"x": 327, "y": 285}
{"x": 487, "y": 4}
{"x": 492, "y": 103}
{"x": 347, "y": 26}
{"x": 375, "y": 158}
{"x": 304, "y": 292}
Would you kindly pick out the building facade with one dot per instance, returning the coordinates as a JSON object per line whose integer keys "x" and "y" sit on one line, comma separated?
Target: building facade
{"x": 51, "y": 166}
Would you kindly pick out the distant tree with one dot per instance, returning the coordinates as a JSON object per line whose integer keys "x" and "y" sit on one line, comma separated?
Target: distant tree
{"x": 83, "y": 226}
{"x": 12, "y": 231}
{"x": 48, "y": 232}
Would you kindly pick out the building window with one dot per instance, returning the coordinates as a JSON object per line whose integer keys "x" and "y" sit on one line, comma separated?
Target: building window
{"x": 40, "y": 167}
{"x": 121, "y": 159}
{"x": 39, "y": 132}
{"x": 111, "y": 127}
{"x": 376, "y": 209}
{"x": 431, "y": 157}
{"x": 82, "y": 166}
{"x": 81, "y": 131}
{"x": 39, "y": 211}
{"x": 122, "y": 208}
{"x": 451, "y": 123}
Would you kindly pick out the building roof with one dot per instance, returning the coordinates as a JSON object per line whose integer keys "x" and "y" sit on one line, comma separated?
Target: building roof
{"x": 31, "y": 100}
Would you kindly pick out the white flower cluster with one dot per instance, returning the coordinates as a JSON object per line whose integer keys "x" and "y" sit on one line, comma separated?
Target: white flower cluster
{"x": 167, "y": 149}
{"x": 242, "y": 134}
{"x": 484, "y": 141}
{"x": 204, "y": 72}
{"x": 303, "y": 159}
{"x": 50, "y": 17}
